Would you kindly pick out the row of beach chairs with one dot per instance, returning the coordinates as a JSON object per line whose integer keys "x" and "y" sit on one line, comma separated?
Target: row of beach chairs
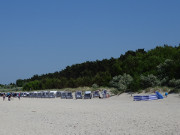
{"x": 65, "y": 94}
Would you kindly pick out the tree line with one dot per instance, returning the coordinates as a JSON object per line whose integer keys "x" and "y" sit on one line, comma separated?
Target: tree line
{"x": 133, "y": 70}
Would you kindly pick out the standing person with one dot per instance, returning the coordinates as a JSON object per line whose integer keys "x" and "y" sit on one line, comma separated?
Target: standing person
{"x": 19, "y": 95}
{"x": 4, "y": 96}
{"x": 9, "y": 97}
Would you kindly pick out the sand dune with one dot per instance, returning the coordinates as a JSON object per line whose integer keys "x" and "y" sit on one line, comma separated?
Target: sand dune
{"x": 118, "y": 115}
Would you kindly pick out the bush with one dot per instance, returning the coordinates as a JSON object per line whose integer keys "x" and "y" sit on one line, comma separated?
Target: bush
{"x": 164, "y": 81}
{"x": 95, "y": 86}
{"x": 174, "y": 83}
{"x": 149, "y": 81}
{"x": 121, "y": 82}
{"x": 166, "y": 69}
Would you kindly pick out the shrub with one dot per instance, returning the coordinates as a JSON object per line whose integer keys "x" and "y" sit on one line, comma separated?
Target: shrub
{"x": 149, "y": 81}
{"x": 174, "y": 83}
{"x": 121, "y": 82}
{"x": 164, "y": 81}
{"x": 166, "y": 69}
{"x": 95, "y": 86}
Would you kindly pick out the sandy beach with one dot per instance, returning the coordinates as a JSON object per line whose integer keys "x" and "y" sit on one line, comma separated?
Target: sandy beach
{"x": 118, "y": 115}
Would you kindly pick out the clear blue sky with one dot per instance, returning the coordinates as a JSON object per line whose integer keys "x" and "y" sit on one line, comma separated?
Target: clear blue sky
{"x": 44, "y": 36}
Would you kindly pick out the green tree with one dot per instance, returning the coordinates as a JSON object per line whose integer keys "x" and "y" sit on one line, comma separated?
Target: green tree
{"x": 149, "y": 81}
{"x": 121, "y": 82}
{"x": 166, "y": 69}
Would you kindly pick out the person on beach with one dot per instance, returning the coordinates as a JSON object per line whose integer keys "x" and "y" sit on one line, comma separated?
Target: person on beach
{"x": 4, "y": 96}
{"x": 100, "y": 96}
{"x": 9, "y": 97}
{"x": 19, "y": 95}
{"x": 166, "y": 94}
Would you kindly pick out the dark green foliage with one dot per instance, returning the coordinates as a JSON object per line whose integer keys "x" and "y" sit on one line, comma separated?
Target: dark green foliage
{"x": 174, "y": 83}
{"x": 19, "y": 82}
{"x": 149, "y": 81}
{"x": 162, "y": 62}
{"x": 135, "y": 85}
{"x": 166, "y": 69}
{"x": 33, "y": 85}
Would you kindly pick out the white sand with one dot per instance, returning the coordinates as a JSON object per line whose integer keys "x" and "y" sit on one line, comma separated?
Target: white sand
{"x": 118, "y": 115}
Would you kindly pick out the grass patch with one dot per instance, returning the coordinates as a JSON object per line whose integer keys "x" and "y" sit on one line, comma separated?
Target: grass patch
{"x": 157, "y": 88}
{"x": 15, "y": 89}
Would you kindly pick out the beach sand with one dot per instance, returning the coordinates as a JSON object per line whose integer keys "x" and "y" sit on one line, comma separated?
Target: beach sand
{"x": 118, "y": 115}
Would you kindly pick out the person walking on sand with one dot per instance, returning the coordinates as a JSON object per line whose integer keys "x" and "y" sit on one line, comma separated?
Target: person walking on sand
{"x": 4, "y": 96}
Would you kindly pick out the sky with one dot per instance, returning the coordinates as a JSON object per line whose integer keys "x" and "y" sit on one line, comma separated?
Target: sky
{"x": 45, "y": 36}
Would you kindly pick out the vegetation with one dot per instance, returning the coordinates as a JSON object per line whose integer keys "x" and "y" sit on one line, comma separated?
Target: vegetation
{"x": 149, "y": 81}
{"x": 9, "y": 88}
{"x": 121, "y": 82}
{"x": 135, "y": 70}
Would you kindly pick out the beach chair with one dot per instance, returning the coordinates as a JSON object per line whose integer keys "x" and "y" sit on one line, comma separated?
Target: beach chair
{"x": 35, "y": 94}
{"x": 58, "y": 94}
{"x": 39, "y": 94}
{"x": 46, "y": 94}
{"x": 31, "y": 94}
{"x": 87, "y": 95}
{"x": 14, "y": 95}
{"x": 104, "y": 93}
{"x": 78, "y": 94}
{"x": 69, "y": 95}
{"x": 63, "y": 95}
{"x": 25, "y": 94}
{"x": 96, "y": 94}
{"x": 52, "y": 94}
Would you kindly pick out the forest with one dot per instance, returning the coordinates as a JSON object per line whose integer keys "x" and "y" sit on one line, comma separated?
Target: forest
{"x": 132, "y": 71}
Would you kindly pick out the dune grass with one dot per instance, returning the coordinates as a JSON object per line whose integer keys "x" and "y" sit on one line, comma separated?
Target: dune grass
{"x": 112, "y": 91}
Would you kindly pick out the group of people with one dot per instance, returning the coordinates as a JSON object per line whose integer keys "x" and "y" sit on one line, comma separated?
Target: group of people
{"x": 9, "y": 95}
